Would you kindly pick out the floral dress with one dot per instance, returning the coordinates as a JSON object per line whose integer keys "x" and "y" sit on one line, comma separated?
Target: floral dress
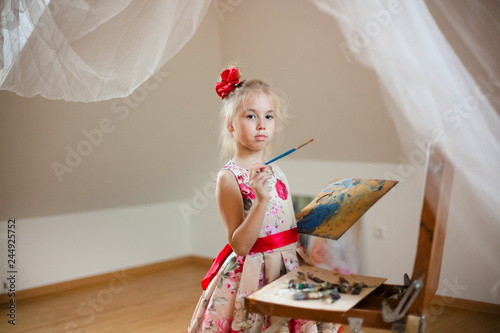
{"x": 221, "y": 308}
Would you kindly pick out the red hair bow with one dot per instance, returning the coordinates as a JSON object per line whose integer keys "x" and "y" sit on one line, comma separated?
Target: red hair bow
{"x": 229, "y": 81}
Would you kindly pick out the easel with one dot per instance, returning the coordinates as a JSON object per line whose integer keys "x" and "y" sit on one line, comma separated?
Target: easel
{"x": 376, "y": 309}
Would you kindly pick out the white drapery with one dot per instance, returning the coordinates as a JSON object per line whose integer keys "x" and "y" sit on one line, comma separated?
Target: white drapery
{"x": 478, "y": 25}
{"x": 90, "y": 50}
{"x": 432, "y": 98}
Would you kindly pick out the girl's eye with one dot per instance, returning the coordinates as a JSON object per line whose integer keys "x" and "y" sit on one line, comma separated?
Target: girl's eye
{"x": 269, "y": 117}
{"x": 251, "y": 116}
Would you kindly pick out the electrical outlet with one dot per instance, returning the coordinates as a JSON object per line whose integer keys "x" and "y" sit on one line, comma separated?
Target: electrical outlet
{"x": 379, "y": 231}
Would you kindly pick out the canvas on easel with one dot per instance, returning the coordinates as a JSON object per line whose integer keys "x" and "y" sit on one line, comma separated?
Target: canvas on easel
{"x": 340, "y": 256}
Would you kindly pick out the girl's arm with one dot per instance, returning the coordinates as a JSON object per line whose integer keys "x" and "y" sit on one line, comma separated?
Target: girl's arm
{"x": 242, "y": 232}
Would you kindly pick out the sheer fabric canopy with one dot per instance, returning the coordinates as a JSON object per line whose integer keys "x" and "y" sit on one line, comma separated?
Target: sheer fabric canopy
{"x": 90, "y": 50}
{"x": 433, "y": 98}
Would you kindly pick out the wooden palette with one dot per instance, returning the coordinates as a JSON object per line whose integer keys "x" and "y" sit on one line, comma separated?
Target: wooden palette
{"x": 278, "y": 296}
{"x": 339, "y": 205}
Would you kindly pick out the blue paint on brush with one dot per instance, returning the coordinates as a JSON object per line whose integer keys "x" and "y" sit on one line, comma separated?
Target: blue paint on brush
{"x": 288, "y": 152}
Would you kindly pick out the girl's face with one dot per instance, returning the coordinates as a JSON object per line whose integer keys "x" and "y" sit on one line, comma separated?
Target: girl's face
{"x": 253, "y": 123}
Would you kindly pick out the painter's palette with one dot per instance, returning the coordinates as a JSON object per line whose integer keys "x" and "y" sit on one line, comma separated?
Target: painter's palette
{"x": 339, "y": 205}
{"x": 277, "y": 295}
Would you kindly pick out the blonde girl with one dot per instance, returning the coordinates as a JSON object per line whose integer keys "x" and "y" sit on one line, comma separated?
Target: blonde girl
{"x": 256, "y": 210}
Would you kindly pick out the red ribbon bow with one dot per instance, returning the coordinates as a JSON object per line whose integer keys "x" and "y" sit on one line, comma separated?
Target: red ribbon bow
{"x": 229, "y": 81}
{"x": 262, "y": 244}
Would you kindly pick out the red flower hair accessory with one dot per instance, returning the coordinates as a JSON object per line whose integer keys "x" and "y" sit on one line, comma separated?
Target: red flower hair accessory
{"x": 229, "y": 81}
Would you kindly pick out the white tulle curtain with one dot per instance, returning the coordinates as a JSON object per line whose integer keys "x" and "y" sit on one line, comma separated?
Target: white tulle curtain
{"x": 477, "y": 23}
{"x": 432, "y": 97}
{"x": 90, "y": 50}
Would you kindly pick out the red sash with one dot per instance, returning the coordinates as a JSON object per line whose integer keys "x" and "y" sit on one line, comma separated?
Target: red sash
{"x": 262, "y": 244}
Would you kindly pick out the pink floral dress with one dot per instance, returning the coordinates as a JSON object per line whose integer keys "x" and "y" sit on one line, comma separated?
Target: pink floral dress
{"x": 221, "y": 308}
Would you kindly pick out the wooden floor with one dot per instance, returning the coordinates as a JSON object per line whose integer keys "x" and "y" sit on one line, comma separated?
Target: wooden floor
{"x": 162, "y": 302}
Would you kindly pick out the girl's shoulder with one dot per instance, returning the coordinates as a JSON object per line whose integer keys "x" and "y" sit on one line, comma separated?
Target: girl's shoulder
{"x": 234, "y": 167}
{"x": 241, "y": 174}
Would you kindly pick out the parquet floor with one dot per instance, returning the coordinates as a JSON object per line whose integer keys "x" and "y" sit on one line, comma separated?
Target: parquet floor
{"x": 162, "y": 302}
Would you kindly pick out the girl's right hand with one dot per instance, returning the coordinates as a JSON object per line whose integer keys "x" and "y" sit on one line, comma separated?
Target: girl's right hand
{"x": 258, "y": 178}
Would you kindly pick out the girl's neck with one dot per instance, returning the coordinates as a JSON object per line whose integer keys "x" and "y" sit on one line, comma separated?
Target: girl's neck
{"x": 246, "y": 160}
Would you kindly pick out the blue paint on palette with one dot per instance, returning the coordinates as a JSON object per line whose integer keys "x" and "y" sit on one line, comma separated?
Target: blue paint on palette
{"x": 340, "y": 204}
{"x": 320, "y": 214}
{"x": 341, "y": 185}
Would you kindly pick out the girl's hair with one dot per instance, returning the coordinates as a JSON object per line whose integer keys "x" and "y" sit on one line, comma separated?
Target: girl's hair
{"x": 237, "y": 99}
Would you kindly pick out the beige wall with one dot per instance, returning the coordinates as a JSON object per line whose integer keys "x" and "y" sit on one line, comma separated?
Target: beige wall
{"x": 153, "y": 142}
{"x": 157, "y": 142}
{"x": 296, "y": 48}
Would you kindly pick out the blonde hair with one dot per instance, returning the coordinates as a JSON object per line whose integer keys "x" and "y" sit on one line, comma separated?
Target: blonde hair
{"x": 237, "y": 99}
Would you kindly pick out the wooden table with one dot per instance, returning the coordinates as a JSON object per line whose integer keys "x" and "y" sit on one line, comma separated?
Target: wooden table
{"x": 277, "y": 298}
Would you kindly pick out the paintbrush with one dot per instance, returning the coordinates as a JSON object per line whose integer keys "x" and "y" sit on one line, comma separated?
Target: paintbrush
{"x": 288, "y": 152}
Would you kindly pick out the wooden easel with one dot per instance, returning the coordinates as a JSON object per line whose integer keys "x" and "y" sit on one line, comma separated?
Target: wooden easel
{"x": 376, "y": 309}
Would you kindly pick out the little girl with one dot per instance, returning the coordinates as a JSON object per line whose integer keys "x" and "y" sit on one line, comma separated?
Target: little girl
{"x": 256, "y": 209}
